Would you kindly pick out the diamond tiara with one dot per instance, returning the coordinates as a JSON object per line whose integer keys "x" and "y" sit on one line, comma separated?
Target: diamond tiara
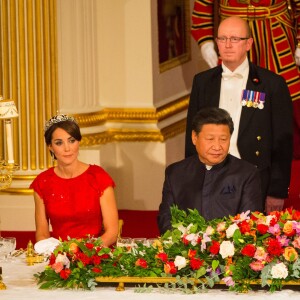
{"x": 58, "y": 119}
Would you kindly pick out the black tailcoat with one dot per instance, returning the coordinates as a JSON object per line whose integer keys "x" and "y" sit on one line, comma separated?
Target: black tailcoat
{"x": 265, "y": 135}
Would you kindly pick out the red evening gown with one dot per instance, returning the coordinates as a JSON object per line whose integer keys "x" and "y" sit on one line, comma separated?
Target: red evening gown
{"x": 73, "y": 205}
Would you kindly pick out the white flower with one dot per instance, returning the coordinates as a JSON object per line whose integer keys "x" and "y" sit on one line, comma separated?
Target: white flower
{"x": 279, "y": 271}
{"x": 205, "y": 239}
{"x": 180, "y": 262}
{"x": 269, "y": 218}
{"x": 62, "y": 258}
{"x": 209, "y": 230}
{"x": 184, "y": 230}
{"x": 226, "y": 249}
{"x": 243, "y": 216}
{"x": 221, "y": 226}
{"x": 230, "y": 230}
{"x": 193, "y": 238}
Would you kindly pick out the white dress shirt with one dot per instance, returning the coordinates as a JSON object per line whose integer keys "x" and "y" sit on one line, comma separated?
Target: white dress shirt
{"x": 232, "y": 85}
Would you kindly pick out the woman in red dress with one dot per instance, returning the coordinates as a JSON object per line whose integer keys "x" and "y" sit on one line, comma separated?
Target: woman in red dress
{"x": 76, "y": 198}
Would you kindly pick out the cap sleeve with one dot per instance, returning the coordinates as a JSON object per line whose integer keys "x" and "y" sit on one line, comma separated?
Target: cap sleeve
{"x": 38, "y": 184}
{"x": 100, "y": 179}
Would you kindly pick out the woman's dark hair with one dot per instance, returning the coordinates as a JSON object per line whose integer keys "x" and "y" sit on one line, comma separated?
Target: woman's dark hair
{"x": 69, "y": 126}
{"x": 211, "y": 115}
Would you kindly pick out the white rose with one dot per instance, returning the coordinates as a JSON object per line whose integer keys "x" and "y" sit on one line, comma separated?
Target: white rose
{"x": 193, "y": 238}
{"x": 226, "y": 249}
{"x": 180, "y": 262}
{"x": 209, "y": 230}
{"x": 63, "y": 259}
{"x": 230, "y": 230}
{"x": 279, "y": 271}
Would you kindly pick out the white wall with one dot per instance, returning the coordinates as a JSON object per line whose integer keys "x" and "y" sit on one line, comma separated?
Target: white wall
{"x": 112, "y": 61}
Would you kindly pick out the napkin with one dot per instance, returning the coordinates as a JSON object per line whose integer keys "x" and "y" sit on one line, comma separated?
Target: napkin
{"x": 46, "y": 246}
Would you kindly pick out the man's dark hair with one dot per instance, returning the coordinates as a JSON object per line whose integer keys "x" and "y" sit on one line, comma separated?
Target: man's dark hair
{"x": 211, "y": 115}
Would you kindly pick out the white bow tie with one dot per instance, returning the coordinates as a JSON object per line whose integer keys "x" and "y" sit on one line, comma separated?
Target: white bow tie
{"x": 227, "y": 76}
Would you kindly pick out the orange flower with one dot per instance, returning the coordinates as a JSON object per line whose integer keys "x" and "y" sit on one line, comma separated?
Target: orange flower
{"x": 290, "y": 254}
{"x": 170, "y": 268}
{"x": 288, "y": 228}
{"x": 140, "y": 262}
{"x": 73, "y": 248}
{"x": 57, "y": 267}
{"x": 192, "y": 253}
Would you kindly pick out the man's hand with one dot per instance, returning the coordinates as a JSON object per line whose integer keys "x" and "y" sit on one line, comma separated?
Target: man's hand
{"x": 273, "y": 204}
{"x": 209, "y": 54}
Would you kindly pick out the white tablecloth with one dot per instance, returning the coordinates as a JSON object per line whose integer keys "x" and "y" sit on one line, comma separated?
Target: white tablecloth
{"x": 18, "y": 277}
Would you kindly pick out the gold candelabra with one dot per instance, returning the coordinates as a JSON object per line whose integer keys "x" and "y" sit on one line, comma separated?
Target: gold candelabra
{"x": 8, "y": 111}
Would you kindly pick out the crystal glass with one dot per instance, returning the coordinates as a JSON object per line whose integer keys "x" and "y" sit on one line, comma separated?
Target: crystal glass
{"x": 137, "y": 241}
{"x": 124, "y": 242}
{"x": 12, "y": 245}
{"x": 152, "y": 242}
{"x": 5, "y": 248}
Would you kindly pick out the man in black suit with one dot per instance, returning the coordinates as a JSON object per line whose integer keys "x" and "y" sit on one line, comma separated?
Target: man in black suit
{"x": 212, "y": 181}
{"x": 260, "y": 104}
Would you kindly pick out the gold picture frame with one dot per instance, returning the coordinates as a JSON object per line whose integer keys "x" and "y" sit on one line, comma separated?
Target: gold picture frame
{"x": 173, "y": 33}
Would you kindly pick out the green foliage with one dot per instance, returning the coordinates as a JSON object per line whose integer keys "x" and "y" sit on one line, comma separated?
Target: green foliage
{"x": 233, "y": 250}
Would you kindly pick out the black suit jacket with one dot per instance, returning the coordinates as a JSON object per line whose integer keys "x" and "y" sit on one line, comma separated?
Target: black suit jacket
{"x": 229, "y": 188}
{"x": 265, "y": 135}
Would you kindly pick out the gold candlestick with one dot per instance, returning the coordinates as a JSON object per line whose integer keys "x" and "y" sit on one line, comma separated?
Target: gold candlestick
{"x": 2, "y": 285}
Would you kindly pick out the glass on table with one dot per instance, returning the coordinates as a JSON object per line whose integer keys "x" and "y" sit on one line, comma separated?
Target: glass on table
{"x": 5, "y": 247}
{"x": 153, "y": 242}
{"x": 137, "y": 241}
{"x": 12, "y": 245}
{"x": 124, "y": 242}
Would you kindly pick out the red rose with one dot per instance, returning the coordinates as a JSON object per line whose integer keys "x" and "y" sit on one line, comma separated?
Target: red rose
{"x": 89, "y": 245}
{"x": 170, "y": 268}
{"x": 192, "y": 253}
{"x": 249, "y": 250}
{"x": 196, "y": 263}
{"x": 104, "y": 256}
{"x": 296, "y": 215}
{"x": 262, "y": 228}
{"x": 98, "y": 249}
{"x": 141, "y": 263}
{"x": 96, "y": 259}
{"x": 52, "y": 259}
{"x": 184, "y": 240}
{"x": 96, "y": 270}
{"x": 214, "y": 248}
{"x": 244, "y": 227}
{"x": 83, "y": 258}
{"x": 274, "y": 247}
{"x": 64, "y": 274}
{"x": 273, "y": 222}
{"x": 253, "y": 217}
{"x": 162, "y": 256}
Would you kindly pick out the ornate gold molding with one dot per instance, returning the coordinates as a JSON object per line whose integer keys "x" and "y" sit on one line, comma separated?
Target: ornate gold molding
{"x": 133, "y": 115}
{"x": 123, "y": 134}
{"x": 134, "y": 135}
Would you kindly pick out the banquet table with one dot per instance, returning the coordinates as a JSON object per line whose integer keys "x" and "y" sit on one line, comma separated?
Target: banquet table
{"x": 20, "y": 284}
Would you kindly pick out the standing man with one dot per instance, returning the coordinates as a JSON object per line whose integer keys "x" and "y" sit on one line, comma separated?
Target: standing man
{"x": 260, "y": 104}
{"x": 275, "y": 28}
{"x": 212, "y": 181}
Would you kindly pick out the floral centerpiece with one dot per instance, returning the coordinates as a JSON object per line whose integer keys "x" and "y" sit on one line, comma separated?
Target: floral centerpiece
{"x": 237, "y": 251}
